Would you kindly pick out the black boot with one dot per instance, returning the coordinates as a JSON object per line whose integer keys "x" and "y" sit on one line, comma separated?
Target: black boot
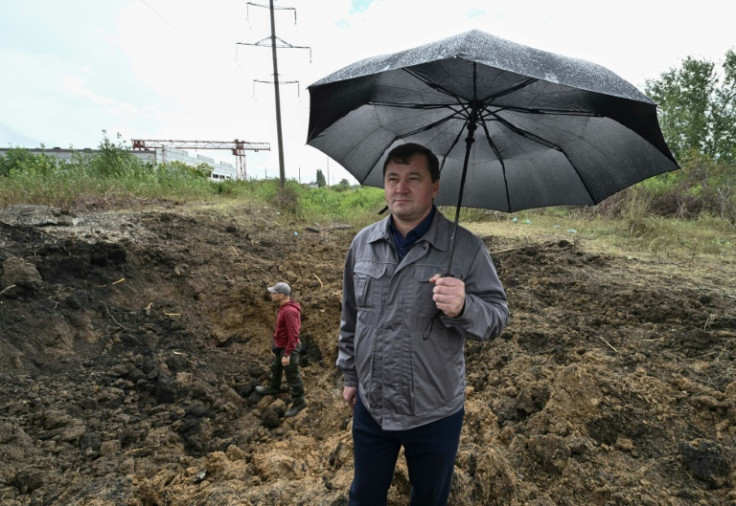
{"x": 296, "y": 407}
{"x": 266, "y": 390}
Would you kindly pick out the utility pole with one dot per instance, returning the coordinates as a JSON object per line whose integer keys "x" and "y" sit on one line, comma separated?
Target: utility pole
{"x": 277, "y": 91}
{"x": 282, "y": 171}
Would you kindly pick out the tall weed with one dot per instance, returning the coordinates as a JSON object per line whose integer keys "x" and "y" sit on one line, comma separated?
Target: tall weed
{"x": 635, "y": 217}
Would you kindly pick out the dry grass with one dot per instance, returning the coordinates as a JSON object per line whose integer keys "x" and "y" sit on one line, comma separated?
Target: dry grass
{"x": 697, "y": 251}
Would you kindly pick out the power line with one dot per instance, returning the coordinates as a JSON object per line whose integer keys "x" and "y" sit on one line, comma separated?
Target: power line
{"x": 160, "y": 16}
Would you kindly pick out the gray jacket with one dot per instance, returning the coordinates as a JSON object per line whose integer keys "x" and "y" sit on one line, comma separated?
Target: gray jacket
{"x": 406, "y": 357}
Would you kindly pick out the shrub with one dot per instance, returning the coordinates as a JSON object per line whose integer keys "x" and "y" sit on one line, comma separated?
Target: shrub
{"x": 115, "y": 159}
{"x": 287, "y": 199}
{"x": 23, "y": 161}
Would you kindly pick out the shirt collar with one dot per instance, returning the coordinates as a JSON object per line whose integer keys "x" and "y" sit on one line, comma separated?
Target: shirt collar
{"x": 404, "y": 244}
{"x": 436, "y": 235}
{"x": 417, "y": 231}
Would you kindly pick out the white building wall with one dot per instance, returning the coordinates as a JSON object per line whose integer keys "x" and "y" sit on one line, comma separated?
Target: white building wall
{"x": 220, "y": 170}
{"x": 224, "y": 171}
{"x": 67, "y": 155}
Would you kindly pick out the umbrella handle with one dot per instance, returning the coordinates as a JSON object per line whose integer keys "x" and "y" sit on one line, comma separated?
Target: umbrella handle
{"x": 469, "y": 140}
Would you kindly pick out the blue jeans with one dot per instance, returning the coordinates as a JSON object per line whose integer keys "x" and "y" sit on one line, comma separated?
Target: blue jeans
{"x": 430, "y": 452}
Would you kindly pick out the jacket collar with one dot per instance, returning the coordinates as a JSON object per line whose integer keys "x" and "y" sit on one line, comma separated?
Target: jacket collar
{"x": 438, "y": 235}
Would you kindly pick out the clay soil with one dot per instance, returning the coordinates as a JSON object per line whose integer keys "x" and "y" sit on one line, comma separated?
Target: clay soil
{"x": 131, "y": 343}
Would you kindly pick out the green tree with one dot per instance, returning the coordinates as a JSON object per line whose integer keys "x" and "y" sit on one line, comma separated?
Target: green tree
{"x": 114, "y": 159}
{"x": 697, "y": 108}
{"x": 724, "y": 112}
{"x": 23, "y": 161}
{"x": 321, "y": 181}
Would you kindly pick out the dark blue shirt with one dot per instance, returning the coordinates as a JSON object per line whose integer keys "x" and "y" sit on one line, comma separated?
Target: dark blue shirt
{"x": 404, "y": 244}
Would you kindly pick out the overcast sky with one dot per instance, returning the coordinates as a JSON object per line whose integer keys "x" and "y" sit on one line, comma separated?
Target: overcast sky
{"x": 180, "y": 69}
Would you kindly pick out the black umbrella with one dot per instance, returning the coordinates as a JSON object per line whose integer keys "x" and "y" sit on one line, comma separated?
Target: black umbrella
{"x": 514, "y": 127}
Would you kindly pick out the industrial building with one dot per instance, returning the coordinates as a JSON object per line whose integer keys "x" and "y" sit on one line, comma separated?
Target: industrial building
{"x": 221, "y": 171}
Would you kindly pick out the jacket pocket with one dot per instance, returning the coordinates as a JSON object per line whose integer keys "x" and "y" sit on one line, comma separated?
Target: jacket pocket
{"x": 371, "y": 285}
{"x": 421, "y": 303}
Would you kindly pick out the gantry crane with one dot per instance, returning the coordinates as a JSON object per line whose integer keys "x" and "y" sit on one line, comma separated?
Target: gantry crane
{"x": 237, "y": 147}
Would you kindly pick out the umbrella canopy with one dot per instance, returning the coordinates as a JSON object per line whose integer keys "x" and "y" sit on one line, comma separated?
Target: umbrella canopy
{"x": 513, "y": 127}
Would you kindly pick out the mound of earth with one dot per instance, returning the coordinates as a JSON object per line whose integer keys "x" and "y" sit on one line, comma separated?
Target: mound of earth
{"x": 131, "y": 343}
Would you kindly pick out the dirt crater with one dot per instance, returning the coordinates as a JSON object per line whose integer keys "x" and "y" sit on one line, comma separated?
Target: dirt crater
{"x": 131, "y": 343}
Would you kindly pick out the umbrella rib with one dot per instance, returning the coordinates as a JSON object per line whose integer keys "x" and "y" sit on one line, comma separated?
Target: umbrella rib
{"x": 413, "y": 106}
{"x": 493, "y": 96}
{"x": 510, "y": 90}
{"x": 438, "y": 122}
{"x": 454, "y": 113}
{"x": 541, "y": 111}
{"x": 534, "y": 138}
{"x": 432, "y": 85}
{"x": 496, "y": 151}
{"x": 452, "y": 146}
{"x": 426, "y": 127}
{"x": 525, "y": 133}
{"x": 423, "y": 129}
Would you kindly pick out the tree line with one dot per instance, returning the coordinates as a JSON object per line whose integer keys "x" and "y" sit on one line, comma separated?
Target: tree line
{"x": 697, "y": 113}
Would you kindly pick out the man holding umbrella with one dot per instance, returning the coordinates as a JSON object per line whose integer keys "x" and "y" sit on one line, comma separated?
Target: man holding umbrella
{"x": 540, "y": 129}
{"x": 402, "y": 332}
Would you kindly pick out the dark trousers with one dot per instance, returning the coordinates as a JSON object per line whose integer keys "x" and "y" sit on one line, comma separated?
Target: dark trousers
{"x": 291, "y": 371}
{"x": 430, "y": 452}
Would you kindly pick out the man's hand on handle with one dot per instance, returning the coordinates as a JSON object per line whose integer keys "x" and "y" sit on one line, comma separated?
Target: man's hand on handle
{"x": 448, "y": 294}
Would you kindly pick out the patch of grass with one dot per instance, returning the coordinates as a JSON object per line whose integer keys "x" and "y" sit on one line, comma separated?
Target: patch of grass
{"x": 356, "y": 205}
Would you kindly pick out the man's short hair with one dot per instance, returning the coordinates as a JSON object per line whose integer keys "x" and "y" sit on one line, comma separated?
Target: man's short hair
{"x": 402, "y": 154}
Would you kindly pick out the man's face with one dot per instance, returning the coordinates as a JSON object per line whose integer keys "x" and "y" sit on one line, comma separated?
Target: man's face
{"x": 409, "y": 190}
{"x": 276, "y": 297}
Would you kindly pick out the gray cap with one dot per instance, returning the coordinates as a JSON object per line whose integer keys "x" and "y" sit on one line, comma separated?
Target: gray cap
{"x": 280, "y": 288}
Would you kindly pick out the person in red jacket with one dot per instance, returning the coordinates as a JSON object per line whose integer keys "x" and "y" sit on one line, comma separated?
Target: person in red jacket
{"x": 286, "y": 347}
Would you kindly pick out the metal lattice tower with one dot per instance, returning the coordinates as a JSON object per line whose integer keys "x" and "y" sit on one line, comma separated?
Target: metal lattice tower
{"x": 237, "y": 147}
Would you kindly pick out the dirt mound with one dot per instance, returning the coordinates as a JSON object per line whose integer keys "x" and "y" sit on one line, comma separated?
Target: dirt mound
{"x": 131, "y": 343}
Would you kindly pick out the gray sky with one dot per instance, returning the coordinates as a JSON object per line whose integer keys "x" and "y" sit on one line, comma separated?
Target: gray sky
{"x": 172, "y": 69}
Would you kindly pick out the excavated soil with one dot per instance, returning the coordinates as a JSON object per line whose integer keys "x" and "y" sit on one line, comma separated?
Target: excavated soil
{"x": 131, "y": 343}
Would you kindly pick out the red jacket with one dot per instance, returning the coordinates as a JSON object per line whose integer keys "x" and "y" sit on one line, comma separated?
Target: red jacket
{"x": 288, "y": 325}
